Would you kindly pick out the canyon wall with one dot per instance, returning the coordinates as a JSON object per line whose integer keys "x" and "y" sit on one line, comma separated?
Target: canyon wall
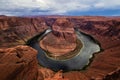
{"x": 18, "y": 63}
{"x": 61, "y": 40}
{"x": 17, "y": 30}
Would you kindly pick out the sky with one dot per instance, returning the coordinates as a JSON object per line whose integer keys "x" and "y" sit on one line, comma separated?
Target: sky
{"x": 60, "y": 7}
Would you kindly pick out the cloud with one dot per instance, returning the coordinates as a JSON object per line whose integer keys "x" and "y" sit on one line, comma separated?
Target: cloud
{"x": 107, "y": 4}
{"x": 99, "y": 5}
{"x": 53, "y": 7}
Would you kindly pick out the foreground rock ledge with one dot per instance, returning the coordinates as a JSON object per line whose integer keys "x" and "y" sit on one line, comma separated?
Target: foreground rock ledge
{"x": 18, "y": 63}
{"x": 105, "y": 29}
{"x": 61, "y": 40}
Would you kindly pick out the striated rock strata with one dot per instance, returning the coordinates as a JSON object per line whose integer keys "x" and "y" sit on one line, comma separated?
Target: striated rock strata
{"x": 17, "y": 30}
{"x": 107, "y": 32}
{"x": 18, "y": 63}
{"x": 105, "y": 65}
{"x": 61, "y": 40}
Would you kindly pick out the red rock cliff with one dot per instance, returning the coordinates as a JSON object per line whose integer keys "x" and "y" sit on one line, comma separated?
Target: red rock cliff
{"x": 105, "y": 65}
{"x": 18, "y": 63}
{"x": 17, "y": 30}
{"x": 61, "y": 40}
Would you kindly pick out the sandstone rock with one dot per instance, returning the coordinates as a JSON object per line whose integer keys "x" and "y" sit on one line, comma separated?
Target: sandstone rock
{"x": 107, "y": 33}
{"x": 61, "y": 40}
{"x": 17, "y": 30}
{"x": 18, "y": 63}
{"x": 115, "y": 75}
{"x": 46, "y": 73}
{"x": 105, "y": 29}
{"x": 75, "y": 75}
{"x": 57, "y": 76}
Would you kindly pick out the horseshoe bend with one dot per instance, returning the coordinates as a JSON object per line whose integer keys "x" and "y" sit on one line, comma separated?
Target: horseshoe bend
{"x": 62, "y": 40}
{"x": 59, "y": 48}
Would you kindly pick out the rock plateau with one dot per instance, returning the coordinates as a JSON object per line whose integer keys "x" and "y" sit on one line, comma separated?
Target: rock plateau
{"x": 20, "y": 62}
{"x": 61, "y": 40}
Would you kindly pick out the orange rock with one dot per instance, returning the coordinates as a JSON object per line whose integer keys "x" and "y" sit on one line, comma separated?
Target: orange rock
{"x": 105, "y": 29}
{"x": 17, "y": 30}
{"x": 75, "y": 75}
{"x": 18, "y": 63}
{"x": 57, "y": 76}
{"x": 46, "y": 73}
{"x": 61, "y": 40}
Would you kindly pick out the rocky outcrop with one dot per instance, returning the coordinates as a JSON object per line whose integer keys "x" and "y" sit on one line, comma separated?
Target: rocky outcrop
{"x": 17, "y": 30}
{"x": 44, "y": 73}
{"x": 107, "y": 32}
{"x": 18, "y": 63}
{"x": 61, "y": 40}
{"x": 115, "y": 75}
{"x": 57, "y": 76}
{"x": 75, "y": 75}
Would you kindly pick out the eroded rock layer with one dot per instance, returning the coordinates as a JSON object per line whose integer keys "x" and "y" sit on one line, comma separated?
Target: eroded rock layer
{"x": 18, "y": 63}
{"x": 13, "y": 30}
{"x": 61, "y": 40}
{"x": 17, "y": 30}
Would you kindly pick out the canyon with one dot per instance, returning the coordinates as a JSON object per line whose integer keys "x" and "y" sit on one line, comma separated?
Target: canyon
{"x": 61, "y": 40}
{"x": 18, "y": 61}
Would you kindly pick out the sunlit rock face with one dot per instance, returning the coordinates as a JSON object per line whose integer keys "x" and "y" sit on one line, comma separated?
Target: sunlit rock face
{"x": 18, "y": 63}
{"x": 61, "y": 40}
{"x": 17, "y": 30}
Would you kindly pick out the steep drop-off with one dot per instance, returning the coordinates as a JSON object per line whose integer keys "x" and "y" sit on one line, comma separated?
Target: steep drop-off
{"x": 17, "y": 30}
{"x": 62, "y": 40}
{"x": 18, "y": 63}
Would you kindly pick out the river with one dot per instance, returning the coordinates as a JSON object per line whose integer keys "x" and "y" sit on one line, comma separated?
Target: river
{"x": 75, "y": 63}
